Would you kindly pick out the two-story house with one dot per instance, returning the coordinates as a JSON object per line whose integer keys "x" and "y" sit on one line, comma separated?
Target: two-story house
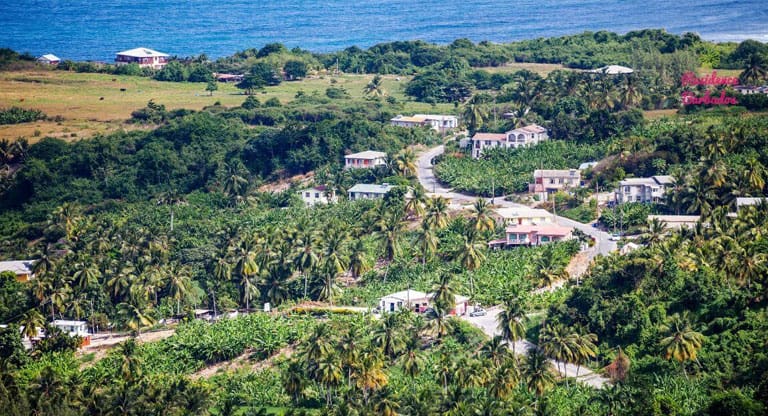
{"x": 523, "y": 216}
{"x": 144, "y": 57}
{"x": 645, "y": 190}
{"x": 438, "y": 122}
{"x": 317, "y": 195}
{"x": 549, "y": 181}
{"x": 523, "y": 136}
{"x": 367, "y": 159}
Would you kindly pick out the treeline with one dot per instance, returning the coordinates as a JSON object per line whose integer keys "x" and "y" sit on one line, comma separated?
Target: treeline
{"x": 192, "y": 151}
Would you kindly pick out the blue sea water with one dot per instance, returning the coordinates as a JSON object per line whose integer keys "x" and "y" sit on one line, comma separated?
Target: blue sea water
{"x": 95, "y": 29}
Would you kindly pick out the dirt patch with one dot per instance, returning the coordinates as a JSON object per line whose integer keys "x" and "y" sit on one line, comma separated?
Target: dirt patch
{"x": 101, "y": 346}
{"x": 243, "y": 361}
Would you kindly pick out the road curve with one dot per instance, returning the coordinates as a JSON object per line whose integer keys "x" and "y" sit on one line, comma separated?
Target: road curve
{"x": 489, "y": 326}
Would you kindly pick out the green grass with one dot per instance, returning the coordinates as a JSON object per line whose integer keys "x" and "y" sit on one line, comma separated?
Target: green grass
{"x": 94, "y": 103}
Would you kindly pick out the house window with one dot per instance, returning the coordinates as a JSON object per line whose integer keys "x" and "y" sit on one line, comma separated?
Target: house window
{"x": 626, "y": 189}
{"x": 306, "y": 194}
{"x": 513, "y": 236}
{"x": 477, "y": 144}
{"x": 317, "y": 195}
{"x": 560, "y": 181}
{"x": 545, "y": 239}
{"x": 487, "y": 142}
{"x": 637, "y": 198}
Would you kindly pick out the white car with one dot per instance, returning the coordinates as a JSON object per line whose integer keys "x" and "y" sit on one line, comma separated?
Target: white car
{"x": 615, "y": 237}
{"x": 477, "y": 312}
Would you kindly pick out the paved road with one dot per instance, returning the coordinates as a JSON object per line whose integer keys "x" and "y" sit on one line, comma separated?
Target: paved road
{"x": 488, "y": 324}
{"x": 431, "y": 184}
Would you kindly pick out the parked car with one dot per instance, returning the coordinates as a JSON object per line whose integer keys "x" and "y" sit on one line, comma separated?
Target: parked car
{"x": 478, "y": 312}
{"x": 615, "y": 237}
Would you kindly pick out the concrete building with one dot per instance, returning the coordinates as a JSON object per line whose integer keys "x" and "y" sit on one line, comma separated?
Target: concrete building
{"x": 21, "y": 268}
{"x": 317, "y": 195}
{"x": 523, "y": 136}
{"x": 144, "y": 57}
{"x": 368, "y": 191}
{"x": 367, "y": 159}
{"x": 49, "y": 59}
{"x": 549, "y": 181}
{"x": 644, "y": 190}
{"x": 533, "y": 235}
{"x": 418, "y": 302}
{"x": 437, "y": 122}
{"x": 523, "y": 216}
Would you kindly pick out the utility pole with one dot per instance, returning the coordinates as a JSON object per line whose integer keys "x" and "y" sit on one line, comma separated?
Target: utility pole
{"x": 493, "y": 191}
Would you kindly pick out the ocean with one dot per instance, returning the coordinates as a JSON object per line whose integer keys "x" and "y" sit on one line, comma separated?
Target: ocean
{"x": 96, "y": 29}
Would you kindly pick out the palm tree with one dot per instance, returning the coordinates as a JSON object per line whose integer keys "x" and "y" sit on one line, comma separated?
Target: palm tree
{"x": 495, "y": 350}
{"x": 538, "y": 371}
{"x": 415, "y": 206}
{"x": 511, "y": 322}
{"x": 411, "y": 358}
{"x": 556, "y": 342}
{"x": 469, "y": 253}
{"x": 754, "y": 70}
{"x": 171, "y": 198}
{"x": 437, "y": 212}
{"x": 482, "y": 220}
{"x": 359, "y": 263}
{"x": 475, "y": 113}
{"x": 134, "y": 317}
{"x": 405, "y": 163}
{"x": 178, "y": 283}
{"x": 329, "y": 373}
{"x": 306, "y": 255}
{"x": 629, "y": 92}
{"x": 585, "y": 349}
{"x": 31, "y": 321}
{"x": 426, "y": 241}
{"x": 375, "y": 88}
{"x": 444, "y": 295}
{"x": 387, "y": 334}
{"x": 682, "y": 342}
{"x": 655, "y": 232}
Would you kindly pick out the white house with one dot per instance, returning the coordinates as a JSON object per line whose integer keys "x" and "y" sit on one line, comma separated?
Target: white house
{"x": 676, "y": 222}
{"x": 49, "y": 59}
{"x": 368, "y": 191}
{"x": 643, "y": 189}
{"x": 748, "y": 202}
{"x": 21, "y": 268}
{"x": 418, "y": 302}
{"x": 533, "y": 235}
{"x": 317, "y": 195}
{"x": 438, "y": 122}
{"x": 613, "y": 70}
{"x": 74, "y": 329}
{"x": 629, "y": 247}
{"x": 144, "y": 57}
{"x": 549, "y": 181}
{"x": 524, "y": 216}
{"x": 367, "y": 159}
{"x": 523, "y": 136}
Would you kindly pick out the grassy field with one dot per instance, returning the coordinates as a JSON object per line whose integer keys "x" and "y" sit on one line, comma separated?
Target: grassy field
{"x": 541, "y": 69}
{"x": 98, "y": 103}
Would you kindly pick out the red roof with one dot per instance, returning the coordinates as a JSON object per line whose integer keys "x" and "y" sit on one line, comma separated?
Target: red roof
{"x": 553, "y": 230}
{"x": 489, "y": 136}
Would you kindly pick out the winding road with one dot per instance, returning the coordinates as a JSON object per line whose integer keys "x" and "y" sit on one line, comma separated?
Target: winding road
{"x": 487, "y": 323}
